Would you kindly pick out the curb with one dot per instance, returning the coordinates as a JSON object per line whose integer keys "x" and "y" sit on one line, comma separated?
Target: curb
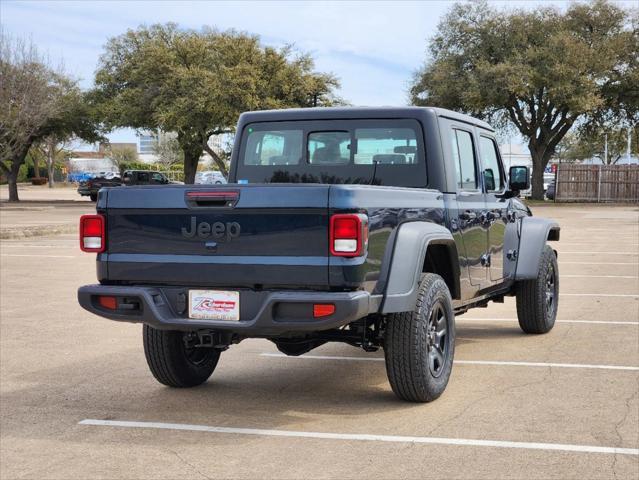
{"x": 36, "y": 231}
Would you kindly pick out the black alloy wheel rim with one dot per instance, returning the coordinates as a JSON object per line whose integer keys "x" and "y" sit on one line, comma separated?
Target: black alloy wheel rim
{"x": 550, "y": 291}
{"x": 437, "y": 339}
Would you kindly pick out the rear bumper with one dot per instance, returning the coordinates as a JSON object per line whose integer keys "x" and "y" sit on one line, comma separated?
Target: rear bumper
{"x": 262, "y": 314}
{"x": 84, "y": 191}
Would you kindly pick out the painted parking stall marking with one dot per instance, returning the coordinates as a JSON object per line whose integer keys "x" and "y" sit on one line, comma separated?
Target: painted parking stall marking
{"x": 36, "y": 256}
{"x": 365, "y": 437}
{"x": 513, "y": 320}
{"x": 463, "y": 362}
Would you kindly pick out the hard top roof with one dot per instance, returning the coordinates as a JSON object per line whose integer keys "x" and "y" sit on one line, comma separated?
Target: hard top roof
{"x": 329, "y": 113}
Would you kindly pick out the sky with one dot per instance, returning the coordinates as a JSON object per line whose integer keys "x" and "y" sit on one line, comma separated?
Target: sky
{"x": 373, "y": 47}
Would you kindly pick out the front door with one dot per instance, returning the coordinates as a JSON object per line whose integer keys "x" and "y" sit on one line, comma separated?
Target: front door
{"x": 471, "y": 204}
{"x": 496, "y": 216}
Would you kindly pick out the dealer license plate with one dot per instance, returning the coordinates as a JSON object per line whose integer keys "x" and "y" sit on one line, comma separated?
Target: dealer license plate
{"x": 214, "y": 305}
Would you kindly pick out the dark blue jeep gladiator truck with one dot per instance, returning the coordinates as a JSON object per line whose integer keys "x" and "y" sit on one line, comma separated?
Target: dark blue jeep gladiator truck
{"x": 369, "y": 226}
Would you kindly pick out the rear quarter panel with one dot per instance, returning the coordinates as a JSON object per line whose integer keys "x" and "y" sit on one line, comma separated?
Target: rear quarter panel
{"x": 387, "y": 208}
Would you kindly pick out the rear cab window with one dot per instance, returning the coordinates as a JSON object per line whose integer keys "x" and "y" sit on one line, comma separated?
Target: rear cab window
{"x": 379, "y": 152}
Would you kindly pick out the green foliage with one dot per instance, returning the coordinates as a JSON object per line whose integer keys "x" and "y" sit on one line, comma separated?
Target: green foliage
{"x": 588, "y": 142}
{"x": 196, "y": 83}
{"x": 176, "y": 167}
{"x": 540, "y": 69}
{"x": 36, "y": 101}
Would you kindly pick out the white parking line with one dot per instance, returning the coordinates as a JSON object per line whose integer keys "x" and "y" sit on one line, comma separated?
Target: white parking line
{"x": 38, "y": 246}
{"x": 510, "y": 320}
{"x": 606, "y": 242}
{"x": 622, "y": 295}
{"x": 599, "y": 253}
{"x": 563, "y": 275}
{"x": 39, "y": 256}
{"x": 365, "y": 437}
{"x": 462, "y": 362}
{"x": 562, "y": 262}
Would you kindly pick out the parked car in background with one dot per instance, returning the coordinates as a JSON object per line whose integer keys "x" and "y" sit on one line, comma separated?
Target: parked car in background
{"x": 144, "y": 177}
{"x": 550, "y": 191}
{"x": 209, "y": 178}
{"x": 77, "y": 177}
{"x": 548, "y": 179}
{"x": 91, "y": 186}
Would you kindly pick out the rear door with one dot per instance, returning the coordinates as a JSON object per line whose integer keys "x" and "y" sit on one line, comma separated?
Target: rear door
{"x": 232, "y": 236}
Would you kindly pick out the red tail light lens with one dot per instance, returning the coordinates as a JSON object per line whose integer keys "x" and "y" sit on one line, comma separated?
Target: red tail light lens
{"x": 92, "y": 235}
{"x": 108, "y": 302}
{"x": 323, "y": 310}
{"x": 348, "y": 234}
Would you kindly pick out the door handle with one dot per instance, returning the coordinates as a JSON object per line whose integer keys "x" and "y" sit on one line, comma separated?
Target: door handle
{"x": 468, "y": 215}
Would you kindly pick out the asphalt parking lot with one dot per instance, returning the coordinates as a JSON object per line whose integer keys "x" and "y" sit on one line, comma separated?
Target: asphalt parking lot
{"x": 77, "y": 399}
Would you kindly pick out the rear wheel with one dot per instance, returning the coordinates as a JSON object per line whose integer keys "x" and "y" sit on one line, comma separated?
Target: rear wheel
{"x": 174, "y": 364}
{"x": 93, "y": 197}
{"x": 537, "y": 299}
{"x": 419, "y": 346}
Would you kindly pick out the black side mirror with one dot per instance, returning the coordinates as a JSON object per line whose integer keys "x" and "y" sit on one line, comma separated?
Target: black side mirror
{"x": 519, "y": 179}
{"x": 489, "y": 180}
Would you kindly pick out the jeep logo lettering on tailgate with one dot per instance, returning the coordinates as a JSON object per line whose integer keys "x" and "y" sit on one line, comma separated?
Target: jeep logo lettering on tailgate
{"x": 219, "y": 230}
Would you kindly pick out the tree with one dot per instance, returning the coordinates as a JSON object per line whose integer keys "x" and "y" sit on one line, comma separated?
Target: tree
{"x": 543, "y": 70}
{"x": 53, "y": 148}
{"x": 168, "y": 151}
{"x": 196, "y": 83}
{"x": 589, "y": 141}
{"x": 35, "y": 102}
{"x": 121, "y": 156}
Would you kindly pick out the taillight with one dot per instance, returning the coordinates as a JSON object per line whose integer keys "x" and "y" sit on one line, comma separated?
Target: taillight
{"x": 92, "y": 235}
{"x": 323, "y": 310}
{"x": 348, "y": 234}
{"x": 108, "y": 302}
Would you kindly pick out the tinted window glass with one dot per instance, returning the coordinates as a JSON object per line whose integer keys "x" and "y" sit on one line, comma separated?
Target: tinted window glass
{"x": 366, "y": 151}
{"x": 143, "y": 177}
{"x": 464, "y": 157}
{"x": 329, "y": 148}
{"x": 489, "y": 159}
{"x": 395, "y": 146}
{"x": 274, "y": 148}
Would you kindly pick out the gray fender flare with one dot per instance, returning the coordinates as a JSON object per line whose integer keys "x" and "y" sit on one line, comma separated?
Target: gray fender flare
{"x": 535, "y": 232}
{"x": 409, "y": 253}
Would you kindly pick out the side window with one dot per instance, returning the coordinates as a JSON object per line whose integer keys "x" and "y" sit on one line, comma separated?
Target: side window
{"x": 490, "y": 161}
{"x": 464, "y": 158}
{"x": 158, "y": 178}
{"x": 143, "y": 177}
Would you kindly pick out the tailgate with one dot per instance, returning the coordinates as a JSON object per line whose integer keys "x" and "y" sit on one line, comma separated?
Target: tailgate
{"x": 226, "y": 235}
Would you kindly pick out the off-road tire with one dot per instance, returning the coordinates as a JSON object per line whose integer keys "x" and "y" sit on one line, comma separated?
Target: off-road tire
{"x": 408, "y": 343}
{"x": 93, "y": 197}
{"x": 537, "y": 299}
{"x": 172, "y": 364}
